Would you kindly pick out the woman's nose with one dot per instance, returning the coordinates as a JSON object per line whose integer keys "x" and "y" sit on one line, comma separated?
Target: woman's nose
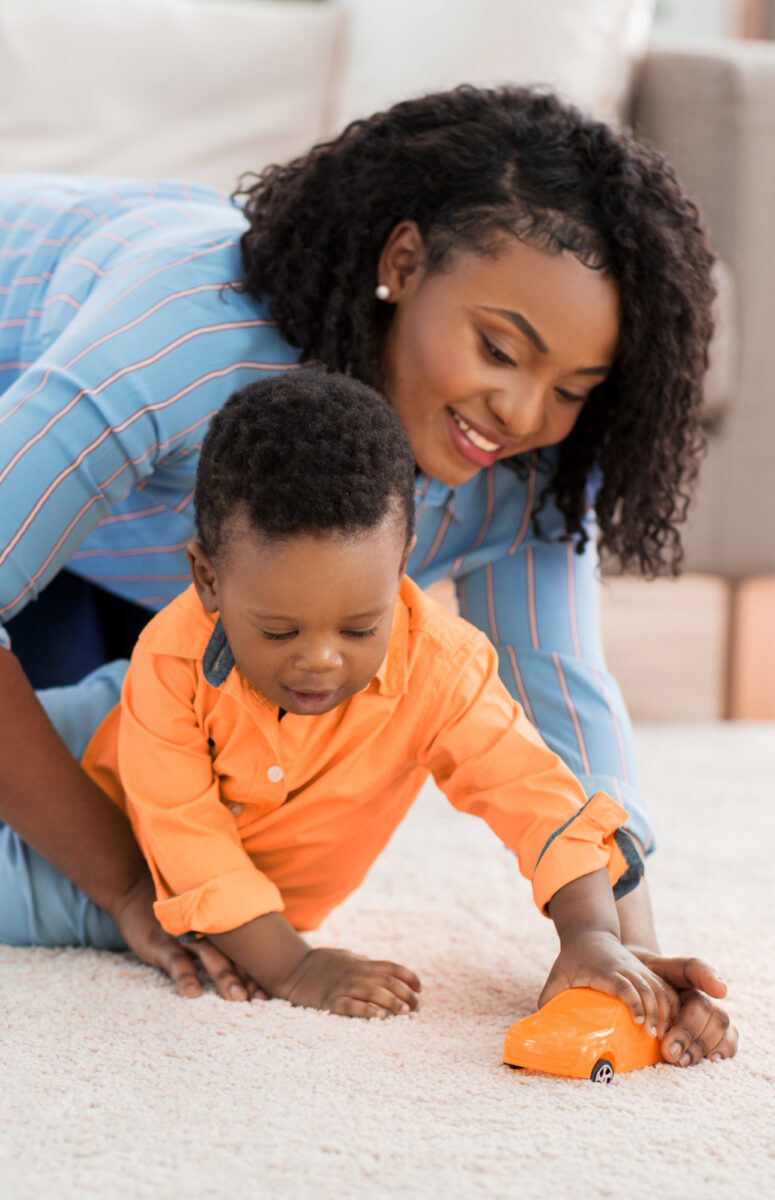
{"x": 520, "y": 411}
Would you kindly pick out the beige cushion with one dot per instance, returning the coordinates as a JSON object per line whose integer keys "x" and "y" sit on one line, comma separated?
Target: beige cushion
{"x": 587, "y": 49}
{"x": 202, "y": 91}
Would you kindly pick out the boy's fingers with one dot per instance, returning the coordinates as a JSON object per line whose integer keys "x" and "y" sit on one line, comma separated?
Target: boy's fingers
{"x": 624, "y": 989}
{"x": 650, "y": 1005}
{"x": 403, "y": 973}
{"x": 349, "y": 1006}
{"x": 373, "y": 993}
{"x": 402, "y": 990}
{"x": 667, "y": 1005}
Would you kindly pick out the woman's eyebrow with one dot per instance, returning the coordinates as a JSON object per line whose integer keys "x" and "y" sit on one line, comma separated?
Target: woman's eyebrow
{"x": 522, "y": 324}
{"x": 530, "y": 332}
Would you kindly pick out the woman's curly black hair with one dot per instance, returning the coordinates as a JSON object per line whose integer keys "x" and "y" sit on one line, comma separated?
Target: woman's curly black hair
{"x": 306, "y": 452}
{"x": 469, "y": 166}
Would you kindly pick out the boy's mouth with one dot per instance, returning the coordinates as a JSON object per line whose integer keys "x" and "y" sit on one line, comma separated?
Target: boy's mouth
{"x": 312, "y": 702}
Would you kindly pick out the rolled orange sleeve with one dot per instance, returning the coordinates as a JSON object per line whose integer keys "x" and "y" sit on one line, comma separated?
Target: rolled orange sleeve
{"x": 491, "y": 762}
{"x": 220, "y": 904}
{"x": 205, "y": 881}
{"x": 585, "y": 843}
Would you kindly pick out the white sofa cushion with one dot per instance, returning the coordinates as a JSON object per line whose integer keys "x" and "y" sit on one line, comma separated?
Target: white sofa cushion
{"x": 201, "y": 91}
{"x": 586, "y": 49}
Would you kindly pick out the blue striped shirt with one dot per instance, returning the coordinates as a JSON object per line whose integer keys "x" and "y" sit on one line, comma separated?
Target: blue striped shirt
{"x": 118, "y": 342}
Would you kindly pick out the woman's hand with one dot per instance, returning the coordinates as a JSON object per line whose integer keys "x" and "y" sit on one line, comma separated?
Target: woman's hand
{"x": 145, "y": 937}
{"x": 700, "y": 1029}
{"x": 597, "y": 959}
{"x": 352, "y": 986}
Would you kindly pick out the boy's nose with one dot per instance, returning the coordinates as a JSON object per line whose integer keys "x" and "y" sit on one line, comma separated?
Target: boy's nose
{"x": 318, "y": 660}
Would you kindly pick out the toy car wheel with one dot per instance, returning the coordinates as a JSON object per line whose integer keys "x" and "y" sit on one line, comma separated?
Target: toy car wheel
{"x": 602, "y": 1072}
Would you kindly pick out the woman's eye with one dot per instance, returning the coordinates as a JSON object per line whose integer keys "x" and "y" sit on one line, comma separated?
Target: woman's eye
{"x": 570, "y": 397}
{"x": 496, "y": 353}
{"x": 359, "y": 633}
{"x": 277, "y": 637}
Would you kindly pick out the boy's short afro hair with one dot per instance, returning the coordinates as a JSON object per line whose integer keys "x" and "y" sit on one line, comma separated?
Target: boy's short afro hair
{"x": 307, "y": 452}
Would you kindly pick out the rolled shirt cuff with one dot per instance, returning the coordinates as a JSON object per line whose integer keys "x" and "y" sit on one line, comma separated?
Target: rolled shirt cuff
{"x": 592, "y": 839}
{"x": 220, "y": 904}
{"x": 638, "y": 821}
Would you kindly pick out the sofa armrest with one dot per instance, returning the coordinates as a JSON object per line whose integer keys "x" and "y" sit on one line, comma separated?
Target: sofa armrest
{"x": 711, "y": 109}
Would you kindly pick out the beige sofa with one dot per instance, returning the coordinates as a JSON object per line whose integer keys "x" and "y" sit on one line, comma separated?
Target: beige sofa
{"x": 711, "y": 108}
{"x": 207, "y": 88}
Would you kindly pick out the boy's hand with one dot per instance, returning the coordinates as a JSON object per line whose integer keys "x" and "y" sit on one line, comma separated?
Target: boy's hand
{"x": 351, "y": 986}
{"x": 701, "y": 1029}
{"x": 597, "y": 959}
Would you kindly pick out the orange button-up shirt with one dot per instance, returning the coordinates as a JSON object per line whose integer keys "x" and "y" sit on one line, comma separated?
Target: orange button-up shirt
{"x": 239, "y": 813}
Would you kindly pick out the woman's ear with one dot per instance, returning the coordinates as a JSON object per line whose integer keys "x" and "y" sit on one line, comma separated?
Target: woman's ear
{"x": 402, "y": 261}
{"x": 203, "y": 575}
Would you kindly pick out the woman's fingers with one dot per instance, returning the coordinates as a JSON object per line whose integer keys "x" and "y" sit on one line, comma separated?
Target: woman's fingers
{"x": 702, "y": 1030}
{"x": 230, "y": 983}
{"x": 682, "y": 973}
{"x": 180, "y": 967}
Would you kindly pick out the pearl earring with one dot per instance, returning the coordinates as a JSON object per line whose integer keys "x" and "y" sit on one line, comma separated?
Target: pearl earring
{"x": 382, "y": 291}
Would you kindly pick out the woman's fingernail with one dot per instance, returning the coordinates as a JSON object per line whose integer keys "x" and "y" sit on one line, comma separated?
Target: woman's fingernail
{"x": 237, "y": 992}
{"x": 653, "y": 1030}
{"x": 404, "y": 1007}
{"x": 191, "y": 990}
{"x": 674, "y": 1048}
{"x": 714, "y": 1057}
{"x": 684, "y": 1060}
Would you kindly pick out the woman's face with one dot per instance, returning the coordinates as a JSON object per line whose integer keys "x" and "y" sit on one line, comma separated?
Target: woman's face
{"x": 491, "y": 356}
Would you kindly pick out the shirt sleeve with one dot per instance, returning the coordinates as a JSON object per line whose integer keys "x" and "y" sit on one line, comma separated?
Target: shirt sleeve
{"x": 205, "y": 881}
{"x": 539, "y": 604}
{"x": 125, "y": 390}
{"x": 490, "y": 761}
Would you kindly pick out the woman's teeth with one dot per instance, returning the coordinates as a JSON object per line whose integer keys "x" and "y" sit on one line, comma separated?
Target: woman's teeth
{"x": 475, "y": 438}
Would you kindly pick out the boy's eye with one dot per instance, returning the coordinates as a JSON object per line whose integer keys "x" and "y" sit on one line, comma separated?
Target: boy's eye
{"x": 359, "y": 633}
{"x": 495, "y": 352}
{"x": 278, "y": 637}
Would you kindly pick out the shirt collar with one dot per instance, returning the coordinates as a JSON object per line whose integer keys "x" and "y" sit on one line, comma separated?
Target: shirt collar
{"x": 430, "y": 492}
{"x": 391, "y": 678}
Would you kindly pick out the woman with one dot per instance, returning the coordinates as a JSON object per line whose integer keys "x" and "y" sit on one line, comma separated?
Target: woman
{"x": 531, "y": 292}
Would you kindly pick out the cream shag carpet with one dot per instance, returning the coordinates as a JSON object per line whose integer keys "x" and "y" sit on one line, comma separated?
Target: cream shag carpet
{"x": 111, "y": 1086}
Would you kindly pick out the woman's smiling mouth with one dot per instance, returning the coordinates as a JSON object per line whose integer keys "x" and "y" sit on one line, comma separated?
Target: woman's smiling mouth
{"x": 471, "y": 443}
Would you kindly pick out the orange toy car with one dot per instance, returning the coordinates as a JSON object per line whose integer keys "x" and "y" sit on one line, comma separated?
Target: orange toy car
{"x": 582, "y": 1033}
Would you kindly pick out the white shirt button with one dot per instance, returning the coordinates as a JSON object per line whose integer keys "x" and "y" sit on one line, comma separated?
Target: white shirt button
{"x": 236, "y": 809}
{"x": 274, "y": 774}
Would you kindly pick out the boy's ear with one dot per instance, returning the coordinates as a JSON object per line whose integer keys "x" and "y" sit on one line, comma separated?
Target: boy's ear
{"x": 203, "y": 575}
{"x": 407, "y": 552}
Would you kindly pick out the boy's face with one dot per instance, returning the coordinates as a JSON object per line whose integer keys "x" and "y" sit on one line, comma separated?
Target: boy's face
{"x": 308, "y": 618}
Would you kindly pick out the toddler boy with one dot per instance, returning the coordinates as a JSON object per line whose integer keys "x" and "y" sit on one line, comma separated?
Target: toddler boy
{"x": 278, "y": 719}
